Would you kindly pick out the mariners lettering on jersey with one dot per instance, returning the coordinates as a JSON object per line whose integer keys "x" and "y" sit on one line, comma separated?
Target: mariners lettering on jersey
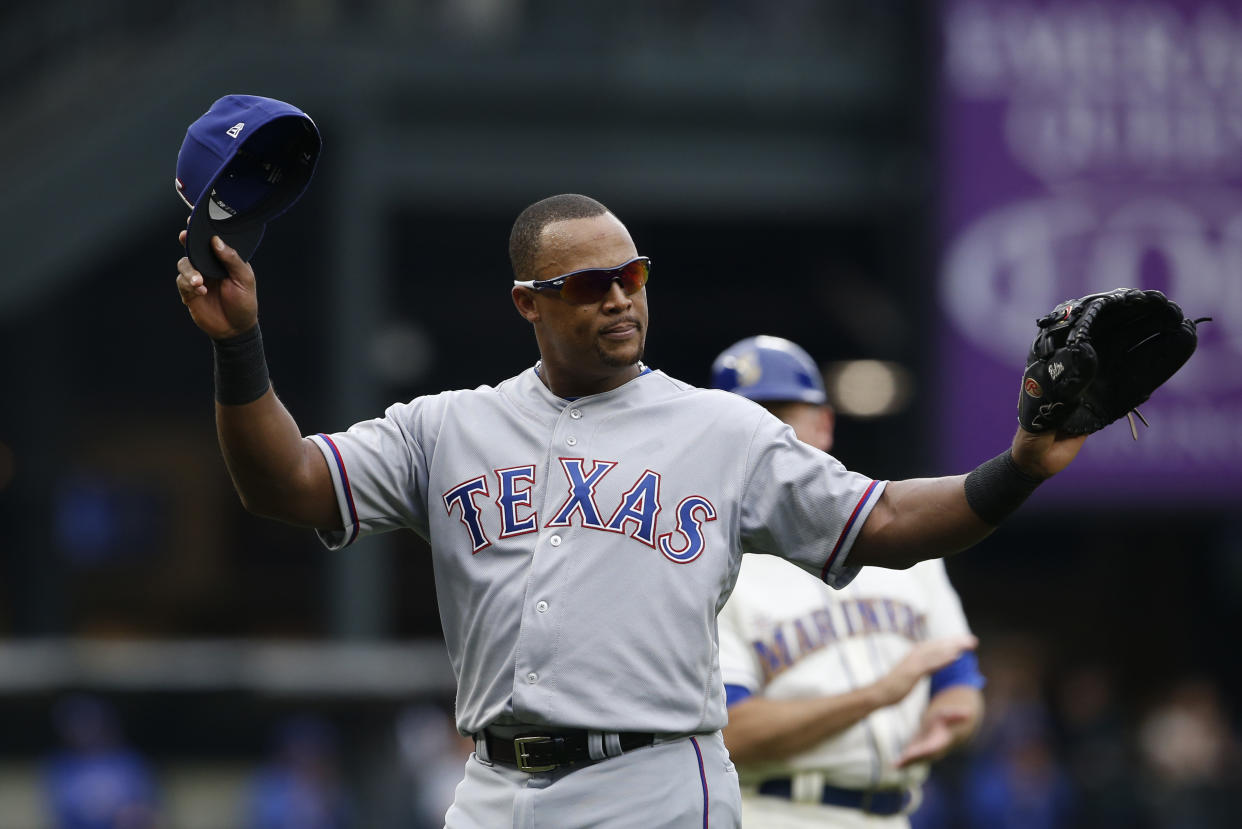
{"x": 637, "y": 514}
{"x": 791, "y": 640}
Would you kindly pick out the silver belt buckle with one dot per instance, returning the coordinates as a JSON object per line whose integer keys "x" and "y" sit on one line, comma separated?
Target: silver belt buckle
{"x": 519, "y": 751}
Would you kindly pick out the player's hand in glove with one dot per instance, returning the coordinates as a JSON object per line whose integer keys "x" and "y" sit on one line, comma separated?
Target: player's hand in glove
{"x": 220, "y": 307}
{"x": 1095, "y": 359}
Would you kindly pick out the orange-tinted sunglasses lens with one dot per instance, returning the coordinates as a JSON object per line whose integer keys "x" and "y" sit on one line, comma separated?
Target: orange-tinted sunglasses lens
{"x": 592, "y": 285}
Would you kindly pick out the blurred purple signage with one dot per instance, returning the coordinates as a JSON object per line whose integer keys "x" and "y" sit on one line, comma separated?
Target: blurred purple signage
{"x": 1090, "y": 145}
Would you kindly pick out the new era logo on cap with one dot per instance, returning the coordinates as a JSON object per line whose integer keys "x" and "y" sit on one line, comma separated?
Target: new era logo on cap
{"x": 244, "y": 182}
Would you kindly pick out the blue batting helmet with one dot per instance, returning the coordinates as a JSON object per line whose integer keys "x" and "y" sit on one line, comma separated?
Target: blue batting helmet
{"x": 769, "y": 368}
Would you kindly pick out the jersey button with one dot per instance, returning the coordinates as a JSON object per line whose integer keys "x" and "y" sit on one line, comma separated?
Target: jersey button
{"x": 532, "y": 677}
{"x": 571, "y": 440}
{"x": 555, "y": 541}
{"x": 542, "y": 607}
{"x": 575, "y": 414}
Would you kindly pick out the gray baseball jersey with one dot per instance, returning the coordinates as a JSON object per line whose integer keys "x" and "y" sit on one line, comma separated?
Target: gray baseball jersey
{"x": 582, "y": 548}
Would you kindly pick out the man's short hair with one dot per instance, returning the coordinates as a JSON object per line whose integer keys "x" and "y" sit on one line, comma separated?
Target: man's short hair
{"x": 529, "y": 225}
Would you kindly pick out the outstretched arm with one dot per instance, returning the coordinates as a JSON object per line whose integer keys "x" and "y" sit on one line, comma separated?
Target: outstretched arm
{"x": 762, "y": 729}
{"x": 924, "y": 518}
{"x": 277, "y": 472}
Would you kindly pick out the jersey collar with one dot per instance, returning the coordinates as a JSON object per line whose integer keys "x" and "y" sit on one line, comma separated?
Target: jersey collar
{"x": 642, "y": 369}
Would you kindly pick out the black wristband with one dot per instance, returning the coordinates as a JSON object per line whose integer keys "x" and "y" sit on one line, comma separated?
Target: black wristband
{"x": 997, "y": 487}
{"x": 240, "y": 368}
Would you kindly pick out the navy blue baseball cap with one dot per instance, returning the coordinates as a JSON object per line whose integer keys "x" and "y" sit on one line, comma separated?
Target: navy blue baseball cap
{"x": 243, "y": 163}
{"x": 769, "y": 368}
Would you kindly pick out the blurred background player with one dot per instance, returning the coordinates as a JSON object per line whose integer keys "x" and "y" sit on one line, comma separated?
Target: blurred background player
{"x": 301, "y": 787}
{"x": 839, "y": 700}
{"x": 96, "y": 780}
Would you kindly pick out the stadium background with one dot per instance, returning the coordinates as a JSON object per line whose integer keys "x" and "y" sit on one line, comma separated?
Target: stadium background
{"x": 788, "y": 166}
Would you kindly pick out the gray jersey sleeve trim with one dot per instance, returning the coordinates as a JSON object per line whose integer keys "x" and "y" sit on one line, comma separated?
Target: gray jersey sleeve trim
{"x": 337, "y": 539}
{"x": 836, "y": 573}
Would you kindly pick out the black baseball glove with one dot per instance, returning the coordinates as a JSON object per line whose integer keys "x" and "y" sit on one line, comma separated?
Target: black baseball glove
{"x": 1096, "y": 358}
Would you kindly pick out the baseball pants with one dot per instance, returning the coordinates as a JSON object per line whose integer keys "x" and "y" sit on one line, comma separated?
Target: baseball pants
{"x": 762, "y": 812}
{"x": 685, "y": 783}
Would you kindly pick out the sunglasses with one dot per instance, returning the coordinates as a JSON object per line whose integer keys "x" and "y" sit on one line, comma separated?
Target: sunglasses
{"x": 590, "y": 285}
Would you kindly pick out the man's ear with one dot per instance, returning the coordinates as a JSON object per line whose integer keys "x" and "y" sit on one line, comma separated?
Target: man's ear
{"x": 829, "y": 420}
{"x": 524, "y": 301}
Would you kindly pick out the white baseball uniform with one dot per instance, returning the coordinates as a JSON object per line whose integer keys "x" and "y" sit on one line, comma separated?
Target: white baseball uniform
{"x": 582, "y": 550}
{"x": 784, "y": 636}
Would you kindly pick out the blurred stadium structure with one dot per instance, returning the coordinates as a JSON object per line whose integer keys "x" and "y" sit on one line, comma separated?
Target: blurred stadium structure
{"x": 780, "y": 162}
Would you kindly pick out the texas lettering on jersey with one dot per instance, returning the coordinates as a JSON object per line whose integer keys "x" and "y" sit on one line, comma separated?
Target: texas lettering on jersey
{"x": 792, "y": 640}
{"x": 637, "y": 514}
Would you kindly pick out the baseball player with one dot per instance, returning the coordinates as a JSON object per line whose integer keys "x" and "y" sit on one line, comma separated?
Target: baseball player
{"x": 838, "y": 699}
{"x": 587, "y": 520}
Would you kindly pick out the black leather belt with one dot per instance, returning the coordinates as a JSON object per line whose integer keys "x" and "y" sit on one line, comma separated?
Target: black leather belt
{"x": 870, "y": 801}
{"x": 545, "y": 749}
